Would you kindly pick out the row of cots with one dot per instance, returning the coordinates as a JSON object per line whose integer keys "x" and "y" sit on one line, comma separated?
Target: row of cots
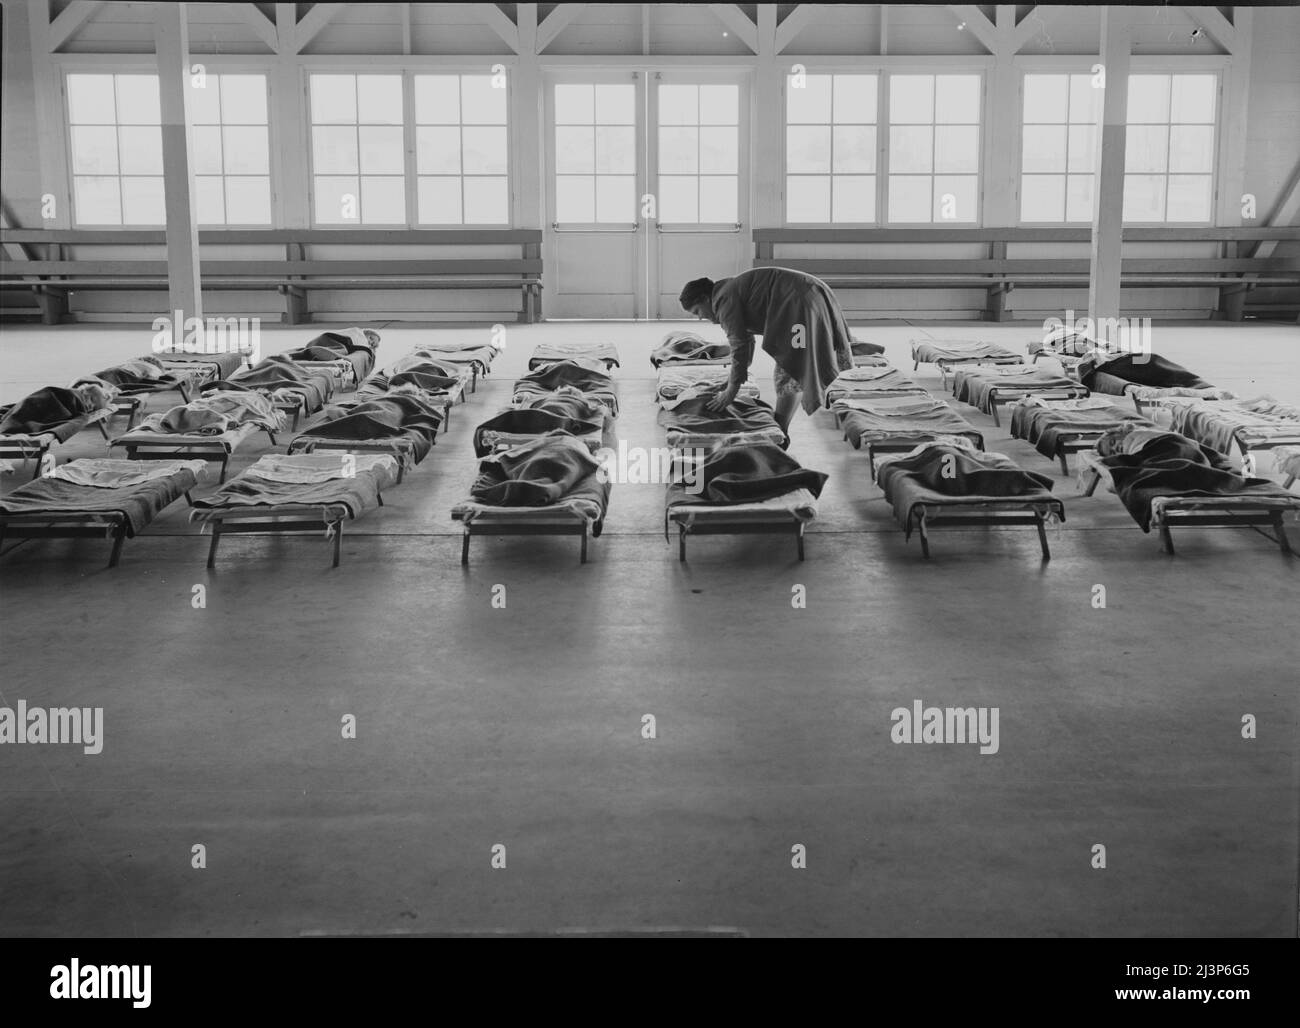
{"x": 544, "y": 459}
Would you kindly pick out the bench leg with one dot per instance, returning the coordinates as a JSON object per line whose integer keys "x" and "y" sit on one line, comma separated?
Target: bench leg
{"x": 1042, "y": 538}
{"x": 53, "y": 304}
{"x": 216, "y": 540}
{"x": 119, "y": 537}
{"x": 464, "y": 547}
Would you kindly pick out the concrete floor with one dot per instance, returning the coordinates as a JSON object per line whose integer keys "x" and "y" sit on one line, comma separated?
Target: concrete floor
{"x": 479, "y": 726}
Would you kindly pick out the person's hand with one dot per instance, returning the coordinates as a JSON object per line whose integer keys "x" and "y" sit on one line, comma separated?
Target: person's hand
{"x": 722, "y": 400}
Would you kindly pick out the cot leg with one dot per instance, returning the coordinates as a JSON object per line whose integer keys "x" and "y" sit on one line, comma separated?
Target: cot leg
{"x": 216, "y": 539}
{"x": 1282, "y": 540}
{"x": 1290, "y": 481}
{"x": 925, "y": 539}
{"x": 1166, "y": 538}
{"x": 464, "y": 547}
{"x": 871, "y": 463}
{"x": 582, "y": 556}
{"x": 338, "y": 541}
{"x": 1065, "y": 468}
{"x": 1042, "y": 538}
{"x": 1093, "y": 479}
{"x": 915, "y": 364}
{"x": 401, "y": 469}
{"x": 103, "y": 428}
{"x": 379, "y": 499}
{"x": 221, "y": 480}
{"x": 119, "y": 537}
{"x": 993, "y": 409}
{"x": 37, "y": 460}
{"x": 681, "y": 544}
{"x": 799, "y": 539}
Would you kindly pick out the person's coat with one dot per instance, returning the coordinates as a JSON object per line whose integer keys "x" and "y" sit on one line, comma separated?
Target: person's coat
{"x": 799, "y": 319}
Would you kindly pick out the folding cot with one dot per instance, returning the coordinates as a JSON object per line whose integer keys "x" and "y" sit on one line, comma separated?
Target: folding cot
{"x": 581, "y": 374}
{"x": 1147, "y": 378}
{"x": 293, "y": 389}
{"x": 686, "y": 348}
{"x": 440, "y": 383}
{"x": 30, "y": 427}
{"x": 349, "y": 355}
{"x": 549, "y": 353}
{"x": 898, "y": 423}
{"x": 1165, "y": 479}
{"x": 951, "y": 353}
{"x": 675, "y": 381}
{"x": 552, "y": 485}
{"x": 96, "y": 498}
{"x": 306, "y": 492}
{"x": 872, "y": 380}
{"x": 210, "y": 366}
{"x": 690, "y": 424}
{"x": 949, "y": 482}
{"x": 741, "y": 488}
{"x": 148, "y": 375}
{"x": 1058, "y": 428}
{"x": 564, "y": 411}
{"x": 1252, "y": 425}
{"x": 210, "y": 428}
{"x": 400, "y": 424}
{"x": 990, "y": 388}
{"x": 477, "y": 358}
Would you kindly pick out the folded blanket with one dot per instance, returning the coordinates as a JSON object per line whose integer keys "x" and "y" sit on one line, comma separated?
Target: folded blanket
{"x": 977, "y": 387}
{"x": 687, "y": 346}
{"x": 1047, "y": 425}
{"x": 741, "y": 473}
{"x": 694, "y": 379}
{"x": 1148, "y": 369}
{"x": 425, "y": 364}
{"x": 351, "y": 488}
{"x": 535, "y": 474}
{"x": 460, "y": 354}
{"x": 138, "y": 502}
{"x": 1219, "y": 425}
{"x": 900, "y": 418}
{"x": 864, "y": 349}
{"x": 929, "y": 351}
{"x": 943, "y": 474}
{"x": 546, "y": 353}
{"x": 1148, "y": 465}
{"x": 52, "y": 410}
{"x": 106, "y": 473}
{"x": 871, "y": 381}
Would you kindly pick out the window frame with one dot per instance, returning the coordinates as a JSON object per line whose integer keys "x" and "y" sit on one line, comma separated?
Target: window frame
{"x": 1154, "y": 64}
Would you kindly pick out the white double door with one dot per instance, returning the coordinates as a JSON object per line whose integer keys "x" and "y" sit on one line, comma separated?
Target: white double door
{"x": 647, "y": 187}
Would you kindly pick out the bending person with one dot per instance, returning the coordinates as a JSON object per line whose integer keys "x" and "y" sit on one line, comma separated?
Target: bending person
{"x": 802, "y": 326}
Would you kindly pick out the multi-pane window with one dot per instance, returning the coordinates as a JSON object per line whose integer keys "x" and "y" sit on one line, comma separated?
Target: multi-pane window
{"x": 699, "y": 153}
{"x": 830, "y": 148}
{"x": 1058, "y": 147}
{"x": 461, "y": 150}
{"x": 230, "y": 149}
{"x": 358, "y": 153}
{"x": 595, "y": 153}
{"x": 116, "y": 146}
{"x": 934, "y": 148}
{"x": 1169, "y": 153}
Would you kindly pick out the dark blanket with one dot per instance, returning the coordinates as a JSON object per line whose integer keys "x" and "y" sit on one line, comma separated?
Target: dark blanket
{"x": 687, "y": 346}
{"x": 741, "y": 415}
{"x": 1047, "y": 427}
{"x": 281, "y": 372}
{"x": 54, "y": 409}
{"x": 355, "y": 495}
{"x": 386, "y": 417}
{"x": 864, "y": 349}
{"x": 545, "y": 353}
{"x": 900, "y": 419}
{"x": 1148, "y": 369}
{"x": 432, "y": 378}
{"x": 534, "y": 421}
{"x": 142, "y": 375}
{"x": 331, "y": 346}
{"x": 566, "y": 373}
{"x": 534, "y": 474}
{"x": 942, "y": 475}
{"x": 976, "y": 387}
{"x": 742, "y": 473}
{"x": 1153, "y": 464}
{"x": 139, "y": 504}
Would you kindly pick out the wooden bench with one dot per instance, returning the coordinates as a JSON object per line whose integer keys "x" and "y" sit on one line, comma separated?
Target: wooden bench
{"x": 50, "y": 275}
{"x": 1232, "y": 274}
